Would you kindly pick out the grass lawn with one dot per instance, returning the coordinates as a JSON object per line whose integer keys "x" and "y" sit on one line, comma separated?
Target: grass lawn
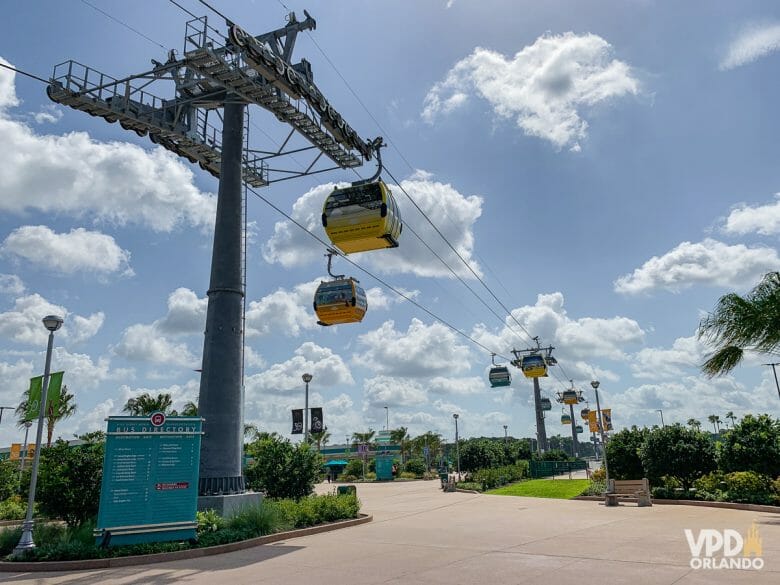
{"x": 563, "y": 489}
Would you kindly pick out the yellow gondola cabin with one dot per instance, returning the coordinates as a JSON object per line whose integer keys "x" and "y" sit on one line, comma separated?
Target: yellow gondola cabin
{"x": 340, "y": 301}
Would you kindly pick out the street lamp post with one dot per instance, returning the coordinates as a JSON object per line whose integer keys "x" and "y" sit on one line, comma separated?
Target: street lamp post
{"x": 26, "y": 542}
{"x": 387, "y": 418}
{"x": 457, "y": 443}
{"x": 27, "y": 425}
{"x": 774, "y": 370}
{"x": 661, "y": 412}
{"x": 505, "y": 436}
{"x": 306, "y": 378}
{"x": 595, "y": 384}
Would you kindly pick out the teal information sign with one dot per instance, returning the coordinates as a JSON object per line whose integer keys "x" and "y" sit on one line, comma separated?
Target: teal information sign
{"x": 150, "y": 479}
{"x": 384, "y": 468}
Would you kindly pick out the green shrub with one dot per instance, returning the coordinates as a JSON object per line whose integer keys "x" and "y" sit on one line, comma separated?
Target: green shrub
{"x": 599, "y": 475}
{"x": 480, "y": 454}
{"x": 407, "y": 475}
{"x": 354, "y": 467}
{"x": 596, "y": 488}
{"x": 209, "y": 521}
{"x": 9, "y": 479}
{"x": 347, "y": 478}
{"x": 498, "y": 476}
{"x": 469, "y": 485}
{"x": 677, "y": 452}
{"x": 748, "y": 487}
{"x": 257, "y": 520}
{"x": 281, "y": 469}
{"x": 13, "y": 508}
{"x": 416, "y": 467}
{"x": 623, "y": 453}
{"x": 752, "y": 445}
{"x": 371, "y": 476}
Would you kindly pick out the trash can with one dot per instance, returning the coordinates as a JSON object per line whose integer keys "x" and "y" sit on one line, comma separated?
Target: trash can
{"x": 344, "y": 490}
{"x": 443, "y": 476}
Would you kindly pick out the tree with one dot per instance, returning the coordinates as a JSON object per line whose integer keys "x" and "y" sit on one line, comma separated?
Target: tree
{"x": 9, "y": 478}
{"x": 281, "y": 469}
{"x": 320, "y": 438}
{"x": 145, "y": 404}
{"x": 715, "y": 420}
{"x": 190, "y": 409}
{"x": 752, "y": 445}
{"x": 740, "y": 323}
{"x": 730, "y": 415}
{"x": 694, "y": 424}
{"x": 480, "y": 454}
{"x": 400, "y": 436}
{"x": 623, "y": 453}
{"x": 363, "y": 437}
{"x": 677, "y": 452}
{"x": 65, "y": 409}
{"x": 69, "y": 480}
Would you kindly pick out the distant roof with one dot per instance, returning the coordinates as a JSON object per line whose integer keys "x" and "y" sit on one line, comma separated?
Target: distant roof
{"x": 336, "y": 462}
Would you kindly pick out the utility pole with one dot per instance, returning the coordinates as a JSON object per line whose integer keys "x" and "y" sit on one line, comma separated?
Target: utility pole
{"x": 777, "y": 384}
{"x": 214, "y": 73}
{"x": 2, "y": 408}
{"x": 661, "y": 412}
{"x": 595, "y": 384}
{"x": 546, "y": 354}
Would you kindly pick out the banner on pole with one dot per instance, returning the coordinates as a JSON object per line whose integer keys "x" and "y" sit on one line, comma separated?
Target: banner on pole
{"x": 316, "y": 420}
{"x": 606, "y": 417}
{"x": 52, "y": 395}
{"x": 297, "y": 422}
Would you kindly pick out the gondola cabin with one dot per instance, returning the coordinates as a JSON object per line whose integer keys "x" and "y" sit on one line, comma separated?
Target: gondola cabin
{"x": 340, "y": 301}
{"x": 585, "y": 413}
{"x": 362, "y": 217}
{"x": 578, "y": 429}
{"x": 534, "y": 366}
{"x": 499, "y": 376}
{"x": 565, "y": 419}
{"x": 545, "y": 404}
{"x": 570, "y": 397}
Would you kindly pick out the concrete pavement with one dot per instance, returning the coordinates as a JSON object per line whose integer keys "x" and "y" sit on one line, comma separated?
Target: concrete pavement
{"x": 422, "y": 535}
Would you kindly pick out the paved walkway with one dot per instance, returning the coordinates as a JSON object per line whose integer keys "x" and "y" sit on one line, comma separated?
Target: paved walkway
{"x": 422, "y": 535}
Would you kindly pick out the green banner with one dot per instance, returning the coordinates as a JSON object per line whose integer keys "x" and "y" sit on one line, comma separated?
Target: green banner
{"x": 52, "y": 395}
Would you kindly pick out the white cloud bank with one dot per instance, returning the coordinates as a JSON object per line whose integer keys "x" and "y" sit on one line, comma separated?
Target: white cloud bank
{"x": 710, "y": 263}
{"x": 544, "y": 86}
{"x": 751, "y": 44}
{"x": 22, "y": 323}
{"x": 761, "y": 219}
{"x": 75, "y": 175}
{"x": 453, "y": 213}
{"x": 79, "y": 250}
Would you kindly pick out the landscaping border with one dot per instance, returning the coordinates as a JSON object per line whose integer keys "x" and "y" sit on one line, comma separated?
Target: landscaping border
{"x": 701, "y": 503}
{"x": 193, "y": 553}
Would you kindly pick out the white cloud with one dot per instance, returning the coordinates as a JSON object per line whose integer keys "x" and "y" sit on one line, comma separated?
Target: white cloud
{"x": 453, "y": 213}
{"x": 752, "y": 43}
{"x": 50, "y": 114}
{"x": 22, "y": 324}
{"x": 421, "y": 351}
{"x": 79, "y": 250}
{"x": 10, "y": 284}
{"x": 762, "y": 219}
{"x": 73, "y": 174}
{"x": 186, "y": 313}
{"x": 145, "y": 343}
{"x": 285, "y": 312}
{"x": 393, "y": 392}
{"x": 326, "y": 367}
{"x": 709, "y": 262}
{"x": 544, "y": 86}
{"x": 656, "y": 362}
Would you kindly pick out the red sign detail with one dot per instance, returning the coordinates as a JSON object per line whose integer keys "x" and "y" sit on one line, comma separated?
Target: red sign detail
{"x": 179, "y": 485}
{"x": 157, "y": 419}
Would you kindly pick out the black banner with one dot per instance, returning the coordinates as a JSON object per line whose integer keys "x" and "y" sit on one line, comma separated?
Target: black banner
{"x": 297, "y": 427}
{"x": 316, "y": 420}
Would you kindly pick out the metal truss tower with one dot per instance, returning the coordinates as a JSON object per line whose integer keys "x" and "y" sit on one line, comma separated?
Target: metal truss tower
{"x": 205, "y": 121}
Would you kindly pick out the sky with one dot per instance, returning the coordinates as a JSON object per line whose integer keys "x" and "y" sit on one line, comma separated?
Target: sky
{"x": 606, "y": 169}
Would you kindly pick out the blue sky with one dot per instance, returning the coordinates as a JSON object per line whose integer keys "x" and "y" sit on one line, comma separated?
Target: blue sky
{"x": 608, "y": 168}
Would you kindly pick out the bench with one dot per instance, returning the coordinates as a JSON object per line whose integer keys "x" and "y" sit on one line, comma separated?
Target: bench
{"x": 638, "y": 488}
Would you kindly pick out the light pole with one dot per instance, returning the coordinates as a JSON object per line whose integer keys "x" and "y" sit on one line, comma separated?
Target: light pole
{"x": 457, "y": 443}
{"x": 387, "y": 418}
{"x": 26, "y": 542}
{"x": 505, "y": 436}
{"x": 595, "y": 384}
{"x": 661, "y": 412}
{"x": 306, "y": 378}
{"x": 774, "y": 366}
{"x": 3, "y": 409}
{"x": 27, "y": 425}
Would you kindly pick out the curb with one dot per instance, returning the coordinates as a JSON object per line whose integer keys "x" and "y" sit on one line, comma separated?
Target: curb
{"x": 700, "y": 503}
{"x": 194, "y": 553}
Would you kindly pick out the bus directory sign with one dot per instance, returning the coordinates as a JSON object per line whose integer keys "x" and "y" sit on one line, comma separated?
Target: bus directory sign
{"x": 149, "y": 491}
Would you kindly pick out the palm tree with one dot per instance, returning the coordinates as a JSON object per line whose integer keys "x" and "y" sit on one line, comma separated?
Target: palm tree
{"x": 190, "y": 409}
{"x": 695, "y": 424}
{"x": 400, "y": 436}
{"x": 363, "y": 437}
{"x": 320, "y": 438}
{"x": 715, "y": 420}
{"x": 65, "y": 409}
{"x": 730, "y": 415}
{"x": 145, "y": 404}
{"x": 742, "y": 323}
